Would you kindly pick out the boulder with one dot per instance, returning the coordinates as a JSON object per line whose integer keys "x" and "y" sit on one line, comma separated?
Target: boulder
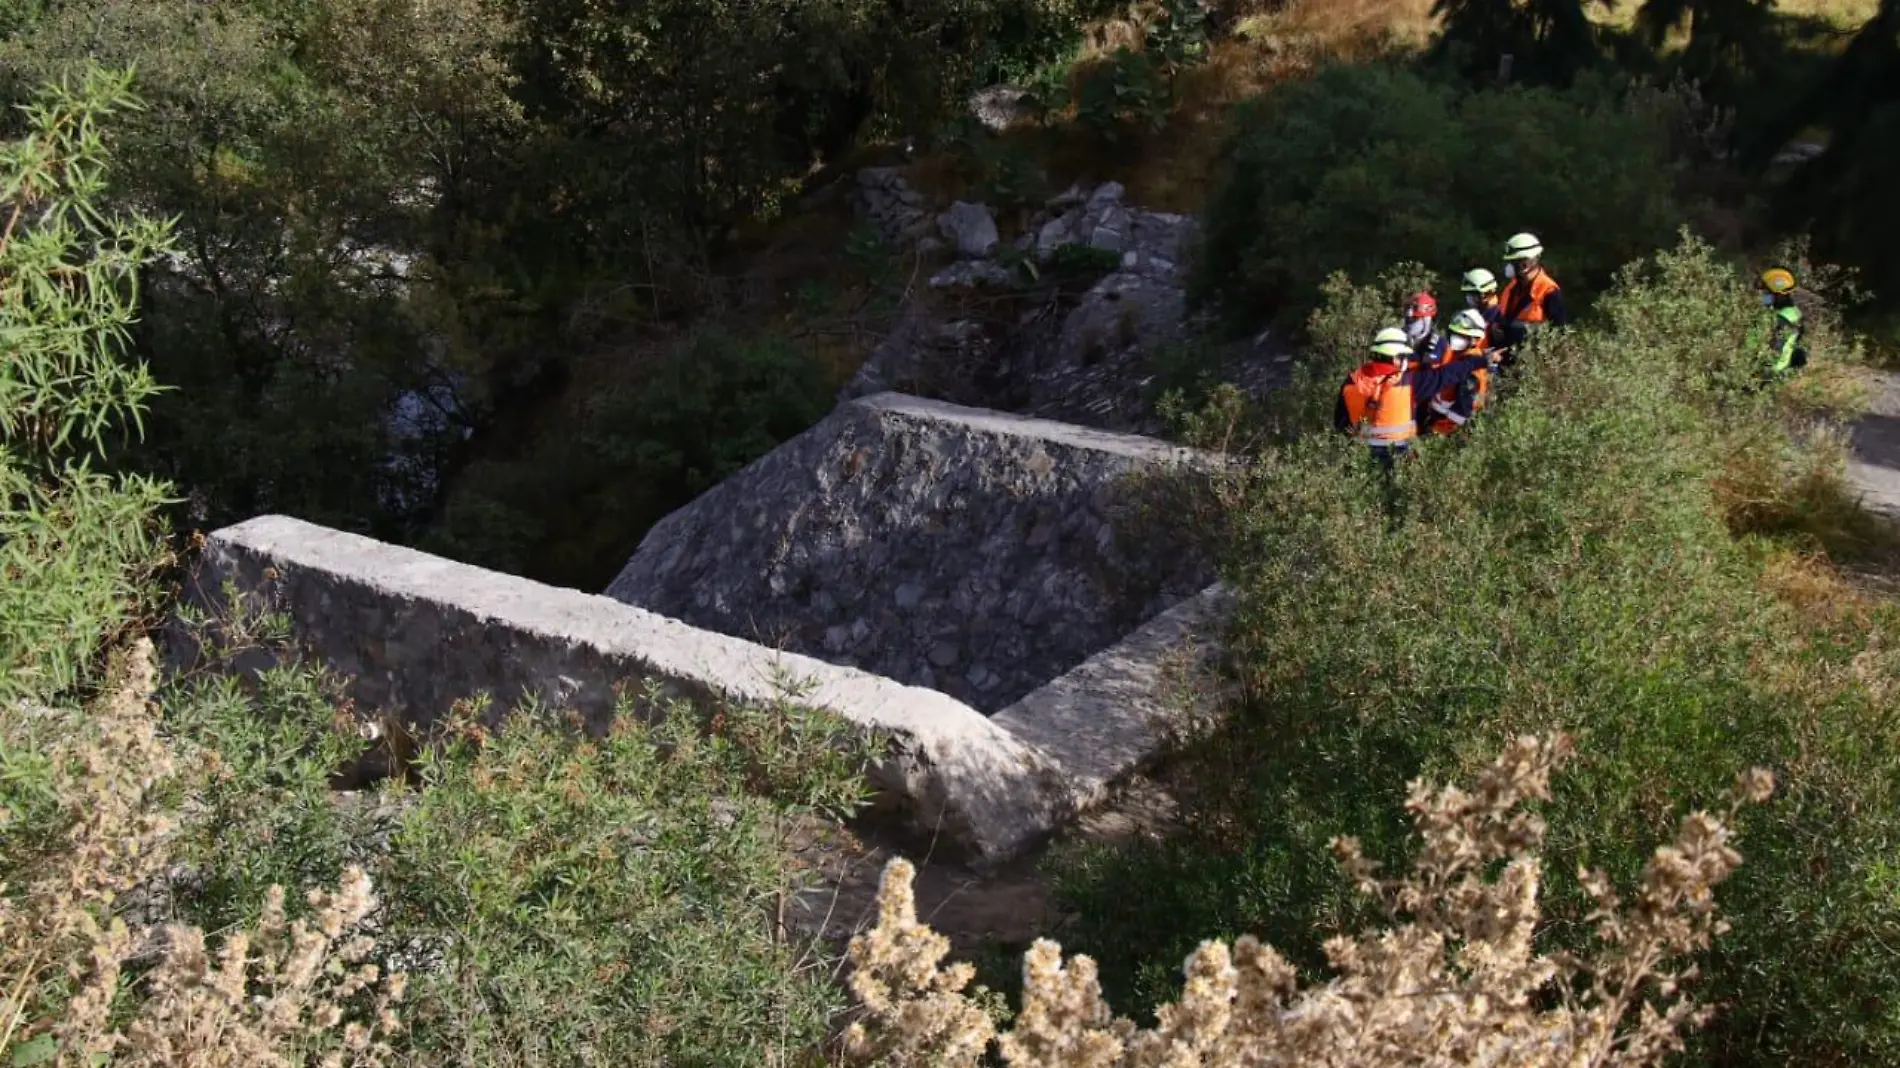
{"x": 1096, "y": 218}
{"x": 1073, "y": 196}
{"x": 888, "y": 202}
{"x": 970, "y": 227}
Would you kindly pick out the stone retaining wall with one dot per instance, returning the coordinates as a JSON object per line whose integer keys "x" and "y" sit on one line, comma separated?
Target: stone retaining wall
{"x": 973, "y": 552}
{"x": 418, "y": 633}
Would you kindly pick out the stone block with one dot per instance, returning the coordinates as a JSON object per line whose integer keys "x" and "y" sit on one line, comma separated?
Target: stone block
{"x": 1113, "y": 714}
{"x": 441, "y": 631}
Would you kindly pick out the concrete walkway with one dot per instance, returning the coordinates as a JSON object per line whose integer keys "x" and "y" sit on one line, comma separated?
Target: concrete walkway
{"x": 1874, "y": 468}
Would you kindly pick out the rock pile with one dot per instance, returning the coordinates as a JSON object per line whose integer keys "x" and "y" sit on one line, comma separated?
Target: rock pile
{"x": 1084, "y": 364}
{"x": 924, "y": 355}
{"x": 893, "y": 207}
{"x": 1093, "y": 369}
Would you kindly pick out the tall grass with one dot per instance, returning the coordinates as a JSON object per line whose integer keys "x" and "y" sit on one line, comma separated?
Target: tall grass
{"x": 1574, "y": 564}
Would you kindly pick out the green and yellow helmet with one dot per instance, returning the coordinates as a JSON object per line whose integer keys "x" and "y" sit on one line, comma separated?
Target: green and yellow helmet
{"x": 1469, "y": 323}
{"x": 1391, "y": 342}
{"x": 1479, "y": 280}
{"x": 1778, "y": 280}
{"x": 1523, "y": 247}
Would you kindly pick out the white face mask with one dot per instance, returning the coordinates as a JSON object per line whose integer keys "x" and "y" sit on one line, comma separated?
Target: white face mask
{"x": 1418, "y": 329}
{"x": 1510, "y": 270}
{"x": 1471, "y": 300}
{"x": 1460, "y": 343}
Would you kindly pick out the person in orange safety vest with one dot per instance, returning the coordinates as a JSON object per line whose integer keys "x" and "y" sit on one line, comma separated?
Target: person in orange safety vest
{"x": 1454, "y": 406}
{"x": 1380, "y": 402}
{"x": 1532, "y": 299}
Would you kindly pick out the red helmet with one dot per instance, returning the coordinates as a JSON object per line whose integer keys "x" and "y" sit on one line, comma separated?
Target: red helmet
{"x": 1421, "y": 306}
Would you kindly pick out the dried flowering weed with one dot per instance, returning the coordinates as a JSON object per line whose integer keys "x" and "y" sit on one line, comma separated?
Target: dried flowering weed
{"x": 1455, "y": 980}
{"x": 286, "y": 992}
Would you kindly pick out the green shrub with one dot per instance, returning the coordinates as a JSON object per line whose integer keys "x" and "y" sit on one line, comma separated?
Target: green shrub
{"x": 1567, "y": 564}
{"x": 77, "y": 548}
{"x": 614, "y": 900}
{"x": 1363, "y": 166}
{"x": 1132, "y": 90}
{"x": 266, "y": 814}
{"x": 1124, "y": 92}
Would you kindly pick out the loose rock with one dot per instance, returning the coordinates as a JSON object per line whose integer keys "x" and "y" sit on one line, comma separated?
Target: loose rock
{"x": 969, "y": 227}
{"x": 972, "y": 274}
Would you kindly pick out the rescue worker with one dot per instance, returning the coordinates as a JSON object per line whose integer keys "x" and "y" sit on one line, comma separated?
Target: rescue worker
{"x": 1454, "y": 405}
{"x": 1531, "y": 299}
{"x": 1480, "y": 288}
{"x": 1380, "y": 401}
{"x": 1779, "y": 339}
{"x": 1421, "y": 325}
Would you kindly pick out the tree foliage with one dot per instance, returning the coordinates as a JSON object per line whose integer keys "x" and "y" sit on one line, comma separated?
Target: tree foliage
{"x": 1845, "y": 195}
{"x": 399, "y": 223}
{"x": 1367, "y": 165}
{"x": 1549, "y": 41}
{"x": 161, "y": 841}
{"x": 1727, "y": 38}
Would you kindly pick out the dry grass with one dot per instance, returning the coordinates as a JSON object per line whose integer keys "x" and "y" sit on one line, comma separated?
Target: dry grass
{"x": 1455, "y": 979}
{"x": 1342, "y": 28}
{"x": 1803, "y": 494}
{"x": 1173, "y": 169}
{"x": 1820, "y": 591}
{"x": 283, "y": 992}
{"x": 1842, "y": 14}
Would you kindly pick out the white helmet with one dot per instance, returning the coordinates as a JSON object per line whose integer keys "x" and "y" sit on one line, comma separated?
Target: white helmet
{"x": 1523, "y": 247}
{"x": 1479, "y": 280}
{"x": 1392, "y": 342}
{"x": 1469, "y": 323}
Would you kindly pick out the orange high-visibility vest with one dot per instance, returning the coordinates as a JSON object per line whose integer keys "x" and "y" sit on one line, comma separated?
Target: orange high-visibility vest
{"x": 1523, "y": 302}
{"x": 1446, "y": 419}
{"x": 1378, "y": 400}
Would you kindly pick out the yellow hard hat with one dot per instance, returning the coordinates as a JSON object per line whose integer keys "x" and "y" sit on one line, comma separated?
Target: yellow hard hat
{"x": 1778, "y": 280}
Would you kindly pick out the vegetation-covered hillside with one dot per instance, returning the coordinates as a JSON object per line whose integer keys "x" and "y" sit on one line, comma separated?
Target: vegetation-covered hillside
{"x": 511, "y": 279}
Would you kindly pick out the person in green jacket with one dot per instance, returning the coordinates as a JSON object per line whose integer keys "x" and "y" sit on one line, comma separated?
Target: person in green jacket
{"x": 1778, "y": 340}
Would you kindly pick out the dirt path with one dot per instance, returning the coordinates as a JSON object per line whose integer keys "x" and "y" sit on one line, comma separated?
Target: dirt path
{"x": 1875, "y": 467}
{"x": 1008, "y": 908}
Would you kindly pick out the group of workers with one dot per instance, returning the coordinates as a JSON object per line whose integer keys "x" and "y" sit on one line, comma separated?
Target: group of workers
{"x": 1424, "y": 380}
